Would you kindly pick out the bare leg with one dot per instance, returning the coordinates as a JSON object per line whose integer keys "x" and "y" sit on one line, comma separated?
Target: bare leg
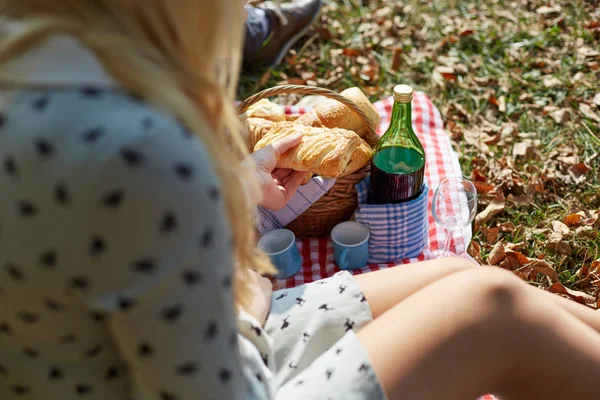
{"x": 384, "y": 289}
{"x": 482, "y": 331}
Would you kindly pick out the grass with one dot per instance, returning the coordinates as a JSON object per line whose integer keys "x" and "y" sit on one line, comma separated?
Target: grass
{"x": 492, "y": 51}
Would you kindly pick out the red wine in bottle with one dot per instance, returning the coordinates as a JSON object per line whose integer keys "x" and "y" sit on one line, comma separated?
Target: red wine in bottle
{"x": 398, "y": 163}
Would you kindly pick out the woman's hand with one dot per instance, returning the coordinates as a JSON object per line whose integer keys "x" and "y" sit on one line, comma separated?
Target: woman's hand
{"x": 277, "y": 186}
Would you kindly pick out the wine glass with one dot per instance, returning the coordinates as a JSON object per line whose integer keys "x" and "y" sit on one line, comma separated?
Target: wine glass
{"x": 454, "y": 207}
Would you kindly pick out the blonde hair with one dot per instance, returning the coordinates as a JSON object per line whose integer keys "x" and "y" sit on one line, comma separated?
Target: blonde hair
{"x": 182, "y": 55}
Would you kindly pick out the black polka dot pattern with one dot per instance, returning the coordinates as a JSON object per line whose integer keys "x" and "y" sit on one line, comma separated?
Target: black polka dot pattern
{"x": 55, "y": 374}
{"x": 144, "y": 265}
{"x": 125, "y": 303}
{"x": 28, "y": 317}
{"x": 164, "y": 395}
{"x": 187, "y": 369}
{"x": 15, "y": 273}
{"x": 145, "y": 350}
{"x": 80, "y": 283}
{"x": 185, "y": 172}
{"x": 168, "y": 223}
{"x": 128, "y": 241}
{"x": 41, "y": 103}
{"x": 49, "y": 259}
{"x": 44, "y": 148}
{"x": 97, "y": 246}
{"x": 132, "y": 158}
{"x": 83, "y": 389}
{"x": 191, "y": 278}
{"x": 111, "y": 374}
{"x": 53, "y": 305}
{"x": 172, "y": 314}
{"x": 113, "y": 199}
{"x": 61, "y": 194}
{"x": 27, "y": 209}
{"x": 10, "y": 166}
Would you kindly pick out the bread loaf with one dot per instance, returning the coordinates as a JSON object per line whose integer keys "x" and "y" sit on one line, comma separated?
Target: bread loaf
{"x": 322, "y": 151}
{"x": 333, "y": 114}
{"x": 266, "y": 110}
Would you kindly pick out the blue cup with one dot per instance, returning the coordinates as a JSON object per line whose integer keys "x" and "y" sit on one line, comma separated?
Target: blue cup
{"x": 280, "y": 246}
{"x": 350, "y": 245}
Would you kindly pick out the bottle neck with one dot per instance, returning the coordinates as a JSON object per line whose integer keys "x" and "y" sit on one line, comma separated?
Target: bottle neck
{"x": 401, "y": 117}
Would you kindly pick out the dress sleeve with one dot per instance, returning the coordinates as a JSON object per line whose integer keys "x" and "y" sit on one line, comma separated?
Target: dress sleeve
{"x": 163, "y": 269}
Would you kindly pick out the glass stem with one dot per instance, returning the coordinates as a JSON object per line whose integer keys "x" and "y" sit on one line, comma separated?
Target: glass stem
{"x": 449, "y": 234}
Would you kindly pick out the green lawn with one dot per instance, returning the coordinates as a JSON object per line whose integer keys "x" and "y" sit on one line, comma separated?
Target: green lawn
{"x": 518, "y": 85}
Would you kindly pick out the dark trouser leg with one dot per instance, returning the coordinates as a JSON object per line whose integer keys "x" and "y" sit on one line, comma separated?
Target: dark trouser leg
{"x": 256, "y": 30}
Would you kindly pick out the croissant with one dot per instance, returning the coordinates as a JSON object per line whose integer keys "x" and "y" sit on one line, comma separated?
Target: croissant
{"x": 333, "y": 114}
{"x": 322, "y": 151}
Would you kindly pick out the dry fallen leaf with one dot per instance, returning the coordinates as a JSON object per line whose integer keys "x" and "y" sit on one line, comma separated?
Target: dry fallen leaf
{"x": 580, "y": 297}
{"x": 502, "y": 104}
{"x": 496, "y": 206}
{"x": 508, "y": 227}
{"x": 587, "y": 112}
{"x": 397, "y": 61}
{"x": 497, "y": 254}
{"x": 540, "y": 267}
{"x": 521, "y": 258}
{"x": 474, "y": 251}
{"x": 573, "y": 220}
{"x": 526, "y": 148}
{"x": 483, "y": 188}
{"x": 560, "y": 116}
{"x": 552, "y": 81}
{"x": 578, "y": 171}
{"x": 549, "y": 11}
{"x": 561, "y": 228}
{"x": 519, "y": 201}
{"x": 466, "y": 32}
{"x": 597, "y": 99}
{"x": 491, "y": 234}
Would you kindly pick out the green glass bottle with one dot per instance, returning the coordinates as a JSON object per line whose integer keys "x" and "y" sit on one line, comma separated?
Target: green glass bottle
{"x": 398, "y": 163}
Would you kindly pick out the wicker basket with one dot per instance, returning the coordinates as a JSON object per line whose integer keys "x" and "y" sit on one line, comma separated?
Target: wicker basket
{"x": 340, "y": 202}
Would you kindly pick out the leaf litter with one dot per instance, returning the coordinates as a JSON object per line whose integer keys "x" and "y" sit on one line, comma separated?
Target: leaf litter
{"x": 517, "y": 85}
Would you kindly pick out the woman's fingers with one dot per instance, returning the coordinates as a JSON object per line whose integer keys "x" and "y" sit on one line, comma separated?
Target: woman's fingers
{"x": 282, "y": 173}
{"x": 287, "y": 143}
{"x": 292, "y": 185}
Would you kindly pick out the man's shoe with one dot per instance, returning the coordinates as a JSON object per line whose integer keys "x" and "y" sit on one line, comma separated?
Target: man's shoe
{"x": 288, "y": 23}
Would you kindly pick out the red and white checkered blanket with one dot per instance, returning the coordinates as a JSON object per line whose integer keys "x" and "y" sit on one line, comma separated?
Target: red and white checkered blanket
{"x": 442, "y": 162}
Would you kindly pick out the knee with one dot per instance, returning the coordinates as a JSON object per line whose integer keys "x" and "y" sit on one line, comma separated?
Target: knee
{"x": 499, "y": 298}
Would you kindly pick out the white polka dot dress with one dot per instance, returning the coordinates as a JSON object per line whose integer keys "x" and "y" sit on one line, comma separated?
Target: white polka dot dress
{"x": 116, "y": 268}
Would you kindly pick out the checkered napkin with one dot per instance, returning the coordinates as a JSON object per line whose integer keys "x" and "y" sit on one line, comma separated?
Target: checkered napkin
{"x": 397, "y": 230}
{"x": 306, "y": 196}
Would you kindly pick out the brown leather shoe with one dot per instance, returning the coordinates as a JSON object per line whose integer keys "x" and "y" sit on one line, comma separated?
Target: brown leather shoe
{"x": 288, "y": 23}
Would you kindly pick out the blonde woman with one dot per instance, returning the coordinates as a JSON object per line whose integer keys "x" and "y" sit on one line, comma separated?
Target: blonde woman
{"x": 127, "y": 251}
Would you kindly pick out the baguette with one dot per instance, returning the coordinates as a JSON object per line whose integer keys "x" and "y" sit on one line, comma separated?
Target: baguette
{"x": 322, "y": 151}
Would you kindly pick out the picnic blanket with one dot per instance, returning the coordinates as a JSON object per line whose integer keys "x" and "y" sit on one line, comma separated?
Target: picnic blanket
{"x": 442, "y": 162}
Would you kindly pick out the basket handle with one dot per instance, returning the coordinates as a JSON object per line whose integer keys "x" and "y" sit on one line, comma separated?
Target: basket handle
{"x": 311, "y": 90}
